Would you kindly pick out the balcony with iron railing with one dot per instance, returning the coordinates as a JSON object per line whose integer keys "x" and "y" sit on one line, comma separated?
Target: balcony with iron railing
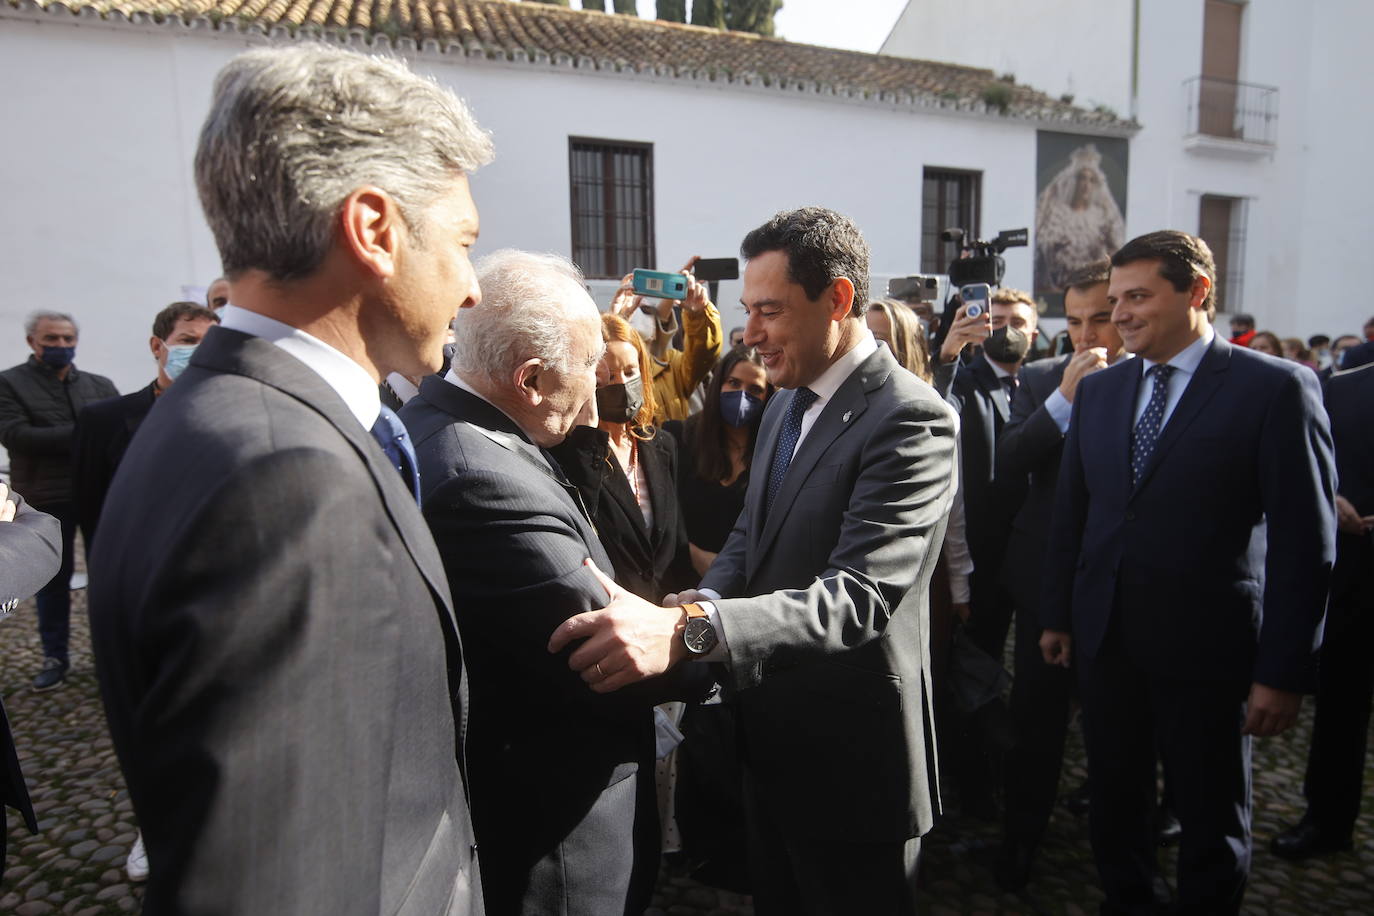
{"x": 1230, "y": 117}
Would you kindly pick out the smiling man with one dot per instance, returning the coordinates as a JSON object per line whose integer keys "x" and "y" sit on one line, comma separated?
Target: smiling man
{"x": 276, "y": 646}
{"x": 1190, "y": 621}
{"x": 818, "y": 603}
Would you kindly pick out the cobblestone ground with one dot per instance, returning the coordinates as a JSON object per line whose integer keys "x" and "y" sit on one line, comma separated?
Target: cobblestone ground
{"x": 75, "y": 863}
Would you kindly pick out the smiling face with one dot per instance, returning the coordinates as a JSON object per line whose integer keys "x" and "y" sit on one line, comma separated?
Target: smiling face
{"x": 796, "y": 336}
{"x": 434, "y": 279}
{"x": 1155, "y": 320}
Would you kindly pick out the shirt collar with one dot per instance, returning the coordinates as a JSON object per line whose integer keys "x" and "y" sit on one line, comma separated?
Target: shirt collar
{"x": 456, "y": 380}
{"x": 350, "y": 380}
{"x": 1001, "y": 373}
{"x": 1188, "y": 359}
{"x": 832, "y": 378}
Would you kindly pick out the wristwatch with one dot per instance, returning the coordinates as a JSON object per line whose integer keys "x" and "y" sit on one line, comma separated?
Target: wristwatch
{"x": 698, "y": 635}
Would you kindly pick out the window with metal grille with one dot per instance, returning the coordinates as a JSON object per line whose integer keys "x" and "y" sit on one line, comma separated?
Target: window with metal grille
{"x": 949, "y": 199}
{"x": 1221, "y": 224}
{"x": 612, "y": 206}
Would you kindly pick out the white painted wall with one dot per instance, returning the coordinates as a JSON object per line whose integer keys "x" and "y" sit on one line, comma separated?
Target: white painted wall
{"x": 1080, "y": 47}
{"x": 104, "y": 220}
{"x": 1308, "y": 201}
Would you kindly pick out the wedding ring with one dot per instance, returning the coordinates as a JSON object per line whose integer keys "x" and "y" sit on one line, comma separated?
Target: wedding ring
{"x": 599, "y": 673}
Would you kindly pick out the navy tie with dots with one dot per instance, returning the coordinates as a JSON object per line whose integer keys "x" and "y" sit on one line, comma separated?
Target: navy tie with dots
{"x": 802, "y": 399}
{"x": 1146, "y": 434}
{"x": 391, "y": 435}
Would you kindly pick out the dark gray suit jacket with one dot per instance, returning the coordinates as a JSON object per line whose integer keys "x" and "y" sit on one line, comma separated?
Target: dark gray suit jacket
{"x": 563, "y": 777}
{"x": 30, "y": 553}
{"x": 278, "y": 655}
{"x": 831, "y": 654}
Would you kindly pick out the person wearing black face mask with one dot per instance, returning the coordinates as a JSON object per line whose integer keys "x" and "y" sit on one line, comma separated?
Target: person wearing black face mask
{"x": 625, "y": 470}
{"x": 39, "y": 401}
{"x": 715, "y": 446}
{"x": 982, "y": 391}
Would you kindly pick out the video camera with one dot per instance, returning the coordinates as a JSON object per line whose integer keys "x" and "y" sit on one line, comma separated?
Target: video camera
{"x": 980, "y": 261}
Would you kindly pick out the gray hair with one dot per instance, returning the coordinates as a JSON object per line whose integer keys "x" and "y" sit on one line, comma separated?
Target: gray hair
{"x": 33, "y": 318}
{"x": 530, "y": 305}
{"x": 293, "y": 131}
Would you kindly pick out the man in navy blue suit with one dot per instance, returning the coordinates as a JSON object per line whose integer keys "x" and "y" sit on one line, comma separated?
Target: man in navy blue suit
{"x": 1189, "y": 560}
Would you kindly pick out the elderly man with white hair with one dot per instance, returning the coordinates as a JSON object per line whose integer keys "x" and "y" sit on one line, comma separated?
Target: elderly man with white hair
{"x": 563, "y": 800}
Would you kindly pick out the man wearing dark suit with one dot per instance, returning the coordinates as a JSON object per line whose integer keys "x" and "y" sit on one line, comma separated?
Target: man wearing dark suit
{"x": 1335, "y": 762}
{"x": 273, "y": 633}
{"x": 30, "y": 552}
{"x": 1190, "y": 554}
{"x": 1029, "y": 448}
{"x": 566, "y": 815}
{"x": 818, "y": 603}
{"x": 105, "y": 428}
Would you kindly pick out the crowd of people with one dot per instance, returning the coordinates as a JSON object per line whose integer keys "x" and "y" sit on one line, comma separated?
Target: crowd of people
{"x": 426, "y": 586}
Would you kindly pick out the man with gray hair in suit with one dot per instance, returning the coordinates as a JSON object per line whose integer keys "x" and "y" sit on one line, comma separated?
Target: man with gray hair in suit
{"x": 272, "y": 628}
{"x": 565, "y": 815}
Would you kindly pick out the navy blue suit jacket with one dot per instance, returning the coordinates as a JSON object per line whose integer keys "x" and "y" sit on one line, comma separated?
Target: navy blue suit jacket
{"x": 1218, "y": 559}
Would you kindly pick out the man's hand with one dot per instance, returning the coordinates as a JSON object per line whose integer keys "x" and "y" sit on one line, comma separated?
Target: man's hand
{"x": 1057, "y": 648}
{"x": 7, "y": 506}
{"x": 625, "y": 642}
{"x": 1270, "y": 711}
{"x": 964, "y": 331}
{"x": 1082, "y": 363}
{"x": 686, "y": 596}
{"x": 698, "y": 297}
{"x": 1348, "y": 518}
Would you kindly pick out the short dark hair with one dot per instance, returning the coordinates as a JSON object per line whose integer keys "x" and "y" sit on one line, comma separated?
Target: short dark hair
{"x": 1243, "y": 318}
{"x": 1182, "y": 259}
{"x": 1086, "y": 277}
{"x": 1318, "y": 340}
{"x": 821, "y": 246}
{"x": 166, "y": 320}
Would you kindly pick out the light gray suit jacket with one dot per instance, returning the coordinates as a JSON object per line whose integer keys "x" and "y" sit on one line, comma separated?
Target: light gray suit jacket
{"x": 278, "y": 654}
{"x": 30, "y": 553}
{"x": 829, "y": 649}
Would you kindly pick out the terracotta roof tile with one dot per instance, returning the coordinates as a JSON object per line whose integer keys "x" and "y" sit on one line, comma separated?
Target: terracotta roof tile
{"x": 545, "y": 34}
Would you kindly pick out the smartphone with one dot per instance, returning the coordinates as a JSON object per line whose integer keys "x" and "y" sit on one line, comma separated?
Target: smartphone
{"x": 657, "y": 283}
{"x": 976, "y": 297}
{"x": 920, "y": 288}
{"x": 708, "y": 269}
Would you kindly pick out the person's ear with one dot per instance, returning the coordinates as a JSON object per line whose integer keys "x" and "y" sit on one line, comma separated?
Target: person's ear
{"x": 1198, "y": 294}
{"x": 841, "y": 301}
{"x": 371, "y": 229}
{"x": 528, "y": 378}
{"x": 155, "y": 344}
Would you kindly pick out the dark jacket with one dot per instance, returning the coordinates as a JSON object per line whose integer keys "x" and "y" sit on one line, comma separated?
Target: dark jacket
{"x": 650, "y": 563}
{"x": 37, "y": 417}
{"x": 103, "y": 432}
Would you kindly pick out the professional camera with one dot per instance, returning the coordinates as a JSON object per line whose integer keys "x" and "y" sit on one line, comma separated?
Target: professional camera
{"x": 980, "y": 261}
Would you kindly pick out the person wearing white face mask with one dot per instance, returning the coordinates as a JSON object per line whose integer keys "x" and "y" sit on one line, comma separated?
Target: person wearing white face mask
{"x": 105, "y": 429}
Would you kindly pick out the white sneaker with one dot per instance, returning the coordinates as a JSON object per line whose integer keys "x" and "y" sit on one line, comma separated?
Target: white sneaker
{"x": 137, "y": 865}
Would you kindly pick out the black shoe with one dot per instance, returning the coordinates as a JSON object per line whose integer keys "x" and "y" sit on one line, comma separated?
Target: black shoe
{"x": 1305, "y": 839}
{"x": 53, "y": 674}
{"x": 1168, "y": 831}
{"x": 1076, "y": 802}
{"x": 1012, "y": 868}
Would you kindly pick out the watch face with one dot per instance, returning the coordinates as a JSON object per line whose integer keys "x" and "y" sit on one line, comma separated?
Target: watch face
{"x": 699, "y": 635}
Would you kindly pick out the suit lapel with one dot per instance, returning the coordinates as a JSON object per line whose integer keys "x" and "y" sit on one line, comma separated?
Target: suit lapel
{"x": 1201, "y": 387}
{"x": 838, "y": 415}
{"x": 992, "y": 386}
{"x": 1122, "y": 417}
{"x": 756, "y": 495}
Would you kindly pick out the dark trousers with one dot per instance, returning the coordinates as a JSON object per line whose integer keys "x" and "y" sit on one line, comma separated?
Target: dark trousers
{"x": 816, "y": 874}
{"x": 1040, "y": 699}
{"x": 54, "y": 600}
{"x": 1206, "y": 761}
{"x": 1335, "y": 763}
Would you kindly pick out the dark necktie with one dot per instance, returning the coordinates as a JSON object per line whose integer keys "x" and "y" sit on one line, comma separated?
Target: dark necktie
{"x": 391, "y": 435}
{"x": 1146, "y": 434}
{"x": 802, "y": 399}
{"x": 1011, "y": 383}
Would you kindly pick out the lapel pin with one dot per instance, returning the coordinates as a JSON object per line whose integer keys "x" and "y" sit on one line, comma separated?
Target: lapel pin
{"x": 847, "y": 415}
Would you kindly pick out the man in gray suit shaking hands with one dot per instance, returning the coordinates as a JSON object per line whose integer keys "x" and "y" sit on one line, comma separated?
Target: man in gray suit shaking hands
{"x": 272, "y": 626}
{"x": 817, "y": 605}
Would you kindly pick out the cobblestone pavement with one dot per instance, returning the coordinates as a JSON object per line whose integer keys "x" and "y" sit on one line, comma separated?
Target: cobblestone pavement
{"x": 75, "y": 863}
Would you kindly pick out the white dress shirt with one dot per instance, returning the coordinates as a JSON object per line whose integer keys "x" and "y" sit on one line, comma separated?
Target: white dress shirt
{"x": 1060, "y": 408}
{"x": 1185, "y": 365}
{"x": 352, "y": 382}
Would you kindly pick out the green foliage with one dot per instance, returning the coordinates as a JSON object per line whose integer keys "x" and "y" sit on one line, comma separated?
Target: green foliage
{"x": 997, "y": 95}
{"x": 672, "y": 10}
{"x": 626, "y": 7}
{"x": 751, "y": 15}
{"x": 598, "y": 5}
{"x": 710, "y": 13}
